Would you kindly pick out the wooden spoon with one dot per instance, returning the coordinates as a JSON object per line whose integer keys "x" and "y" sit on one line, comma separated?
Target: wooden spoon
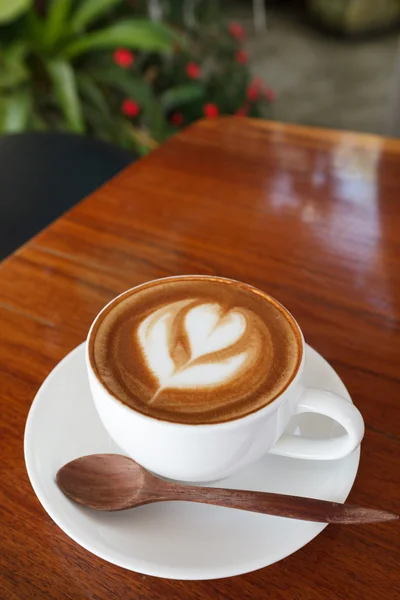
{"x": 115, "y": 482}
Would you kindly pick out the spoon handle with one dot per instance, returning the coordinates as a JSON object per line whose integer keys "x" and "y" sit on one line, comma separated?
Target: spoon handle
{"x": 281, "y": 505}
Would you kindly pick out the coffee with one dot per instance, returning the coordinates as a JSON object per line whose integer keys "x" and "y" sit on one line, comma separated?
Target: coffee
{"x": 195, "y": 349}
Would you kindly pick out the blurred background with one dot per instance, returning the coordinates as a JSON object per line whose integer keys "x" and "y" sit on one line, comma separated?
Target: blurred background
{"x": 132, "y": 72}
{"x": 87, "y": 86}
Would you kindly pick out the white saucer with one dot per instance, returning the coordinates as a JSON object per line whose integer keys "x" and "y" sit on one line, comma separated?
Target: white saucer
{"x": 175, "y": 539}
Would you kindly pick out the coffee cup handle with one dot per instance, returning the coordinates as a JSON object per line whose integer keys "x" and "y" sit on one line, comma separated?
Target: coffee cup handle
{"x": 337, "y": 408}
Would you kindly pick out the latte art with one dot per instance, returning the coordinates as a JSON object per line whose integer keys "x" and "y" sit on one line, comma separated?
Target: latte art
{"x": 190, "y": 344}
{"x": 195, "y": 349}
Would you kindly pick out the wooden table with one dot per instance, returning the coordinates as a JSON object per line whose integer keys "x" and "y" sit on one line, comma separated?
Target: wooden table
{"x": 311, "y": 216}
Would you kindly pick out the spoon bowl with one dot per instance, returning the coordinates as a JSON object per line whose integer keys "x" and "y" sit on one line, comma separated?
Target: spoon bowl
{"x": 106, "y": 482}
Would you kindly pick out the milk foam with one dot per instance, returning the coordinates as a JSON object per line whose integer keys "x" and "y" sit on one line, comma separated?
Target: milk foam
{"x": 195, "y": 349}
{"x": 207, "y": 329}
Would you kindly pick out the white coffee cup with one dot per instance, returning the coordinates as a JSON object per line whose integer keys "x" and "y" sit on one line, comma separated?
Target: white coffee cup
{"x": 213, "y": 451}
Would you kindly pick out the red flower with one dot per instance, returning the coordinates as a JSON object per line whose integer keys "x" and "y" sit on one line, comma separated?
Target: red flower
{"x": 242, "y": 111}
{"x": 177, "y": 119}
{"x": 211, "y": 110}
{"x": 130, "y": 108}
{"x": 123, "y": 58}
{"x": 237, "y": 31}
{"x": 241, "y": 57}
{"x": 193, "y": 70}
{"x": 270, "y": 94}
{"x": 253, "y": 91}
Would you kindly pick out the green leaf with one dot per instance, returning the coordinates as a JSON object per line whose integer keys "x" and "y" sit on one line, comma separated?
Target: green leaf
{"x": 139, "y": 90}
{"x": 12, "y": 76}
{"x": 181, "y": 94}
{"x": 93, "y": 94}
{"x": 11, "y": 9}
{"x": 15, "y": 111}
{"x": 138, "y": 34}
{"x": 127, "y": 83}
{"x": 35, "y": 29}
{"x": 89, "y": 11}
{"x": 95, "y": 121}
{"x": 37, "y": 123}
{"x": 63, "y": 78}
{"x": 55, "y": 23}
{"x": 13, "y": 71}
{"x": 15, "y": 52}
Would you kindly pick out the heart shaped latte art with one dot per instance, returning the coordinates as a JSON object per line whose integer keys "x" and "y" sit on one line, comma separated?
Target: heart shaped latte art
{"x": 190, "y": 344}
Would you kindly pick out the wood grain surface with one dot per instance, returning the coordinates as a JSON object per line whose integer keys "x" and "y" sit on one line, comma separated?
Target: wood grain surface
{"x": 311, "y": 216}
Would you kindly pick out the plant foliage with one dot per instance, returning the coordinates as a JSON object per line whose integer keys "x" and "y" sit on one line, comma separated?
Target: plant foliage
{"x": 130, "y": 72}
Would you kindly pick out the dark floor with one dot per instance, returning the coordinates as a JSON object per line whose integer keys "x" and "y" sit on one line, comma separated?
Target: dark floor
{"x": 319, "y": 79}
